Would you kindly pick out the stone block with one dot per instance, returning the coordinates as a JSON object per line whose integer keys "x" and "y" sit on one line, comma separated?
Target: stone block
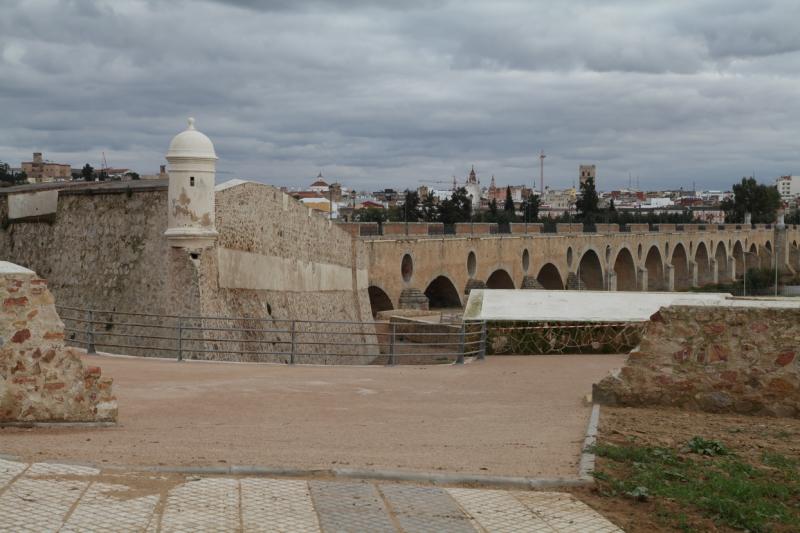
{"x": 724, "y": 359}
{"x": 45, "y": 381}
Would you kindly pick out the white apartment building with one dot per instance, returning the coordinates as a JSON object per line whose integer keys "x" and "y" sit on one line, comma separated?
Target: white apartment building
{"x": 788, "y": 187}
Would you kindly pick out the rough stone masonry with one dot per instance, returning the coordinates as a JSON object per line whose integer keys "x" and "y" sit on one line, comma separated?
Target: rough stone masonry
{"x": 42, "y": 380}
{"x": 739, "y": 358}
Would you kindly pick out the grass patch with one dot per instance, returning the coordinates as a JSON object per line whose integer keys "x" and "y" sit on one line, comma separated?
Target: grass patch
{"x": 706, "y": 477}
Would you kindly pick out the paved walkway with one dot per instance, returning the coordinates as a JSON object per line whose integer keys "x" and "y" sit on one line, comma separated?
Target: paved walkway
{"x": 57, "y": 497}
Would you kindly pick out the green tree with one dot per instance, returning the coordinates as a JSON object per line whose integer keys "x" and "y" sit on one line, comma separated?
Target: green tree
{"x": 509, "y": 205}
{"x": 8, "y": 177}
{"x": 133, "y": 175}
{"x": 749, "y": 196}
{"x": 491, "y": 214}
{"x": 411, "y": 208}
{"x": 532, "y": 208}
{"x": 371, "y": 214}
{"x": 457, "y": 208}
{"x": 87, "y": 173}
{"x": 587, "y": 203}
{"x": 430, "y": 211}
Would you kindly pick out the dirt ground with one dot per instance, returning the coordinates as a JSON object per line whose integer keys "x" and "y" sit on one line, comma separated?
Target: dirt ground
{"x": 511, "y": 416}
{"x": 747, "y": 436}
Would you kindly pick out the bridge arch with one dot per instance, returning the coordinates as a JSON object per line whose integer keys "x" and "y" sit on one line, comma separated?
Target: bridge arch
{"x": 378, "y": 300}
{"x": 680, "y": 267}
{"x": 721, "y": 258}
{"x": 654, "y": 265}
{"x": 752, "y": 258}
{"x": 766, "y": 258}
{"x": 590, "y": 271}
{"x": 794, "y": 255}
{"x": 625, "y": 269}
{"x": 500, "y": 279}
{"x": 702, "y": 261}
{"x": 738, "y": 258}
{"x": 550, "y": 278}
{"x": 442, "y": 294}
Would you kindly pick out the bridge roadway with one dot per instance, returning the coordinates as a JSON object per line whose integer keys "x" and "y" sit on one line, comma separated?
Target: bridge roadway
{"x": 415, "y": 269}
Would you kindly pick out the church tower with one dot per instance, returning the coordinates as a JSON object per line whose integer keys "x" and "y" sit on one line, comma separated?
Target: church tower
{"x": 192, "y": 168}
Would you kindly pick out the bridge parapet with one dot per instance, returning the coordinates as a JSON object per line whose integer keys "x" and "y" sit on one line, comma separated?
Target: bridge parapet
{"x": 636, "y": 228}
{"x": 562, "y": 227}
{"x": 607, "y": 228}
{"x": 530, "y": 227}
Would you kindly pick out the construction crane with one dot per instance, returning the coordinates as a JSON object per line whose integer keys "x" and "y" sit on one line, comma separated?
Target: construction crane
{"x": 104, "y": 167}
{"x": 453, "y": 182}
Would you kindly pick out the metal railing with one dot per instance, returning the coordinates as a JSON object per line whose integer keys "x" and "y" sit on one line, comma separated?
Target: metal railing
{"x": 273, "y": 340}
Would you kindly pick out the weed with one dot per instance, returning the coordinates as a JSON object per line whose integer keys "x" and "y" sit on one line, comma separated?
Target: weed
{"x": 706, "y": 447}
{"x": 721, "y": 486}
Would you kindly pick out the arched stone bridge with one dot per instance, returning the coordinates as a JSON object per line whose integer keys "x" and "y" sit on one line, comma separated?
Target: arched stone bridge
{"x": 415, "y": 269}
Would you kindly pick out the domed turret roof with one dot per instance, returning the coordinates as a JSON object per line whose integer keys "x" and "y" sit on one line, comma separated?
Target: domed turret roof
{"x": 191, "y": 143}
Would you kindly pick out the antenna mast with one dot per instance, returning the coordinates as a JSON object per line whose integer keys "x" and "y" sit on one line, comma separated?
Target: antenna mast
{"x": 541, "y": 170}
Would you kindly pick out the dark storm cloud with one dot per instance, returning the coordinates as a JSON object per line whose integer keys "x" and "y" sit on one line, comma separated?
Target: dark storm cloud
{"x": 391, "y": 93}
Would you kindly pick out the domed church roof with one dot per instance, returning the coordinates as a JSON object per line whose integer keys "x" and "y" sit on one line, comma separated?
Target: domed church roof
{"x": 191, "y": 143}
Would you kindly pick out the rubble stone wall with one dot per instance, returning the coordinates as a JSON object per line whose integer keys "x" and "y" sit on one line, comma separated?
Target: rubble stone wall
{"x": 717, "y": 359}
{"x": 42, "y": 380}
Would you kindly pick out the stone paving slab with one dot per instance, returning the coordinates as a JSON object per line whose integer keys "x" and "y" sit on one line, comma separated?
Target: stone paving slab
{"x": 54, "y": 497}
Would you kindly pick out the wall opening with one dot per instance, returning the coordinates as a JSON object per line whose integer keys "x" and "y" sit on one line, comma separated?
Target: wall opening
{"x": 191, "y": 181}
{"x": 550, "y": 278}
{"x": 407, "y": 267}
{"x": 655, "y": 270}
{"x": 472, "y": 264}
{"x": 625, "y": 270}
{"x": 442, "y": 294}
{"x": 680, "y": 268}
{"x": 500, "y": 280}
{"x": 590, "y": 271}
{"x": 526, "y": 260}
{"x": 379, "y": 300}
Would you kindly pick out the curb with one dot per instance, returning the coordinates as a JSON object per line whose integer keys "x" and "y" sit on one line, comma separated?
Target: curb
{"x": 586, "y": 465}
{"x": 472, "y": 480}
{"x": 57, "y": 424}
{"x": 443, "y": 479}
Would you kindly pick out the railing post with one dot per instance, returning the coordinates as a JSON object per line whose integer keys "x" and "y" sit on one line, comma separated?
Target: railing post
{"x": 90, "y": 332}
{"x": 462, "y": 340}
{"x": 180, "y": 339}
{"x": 482, "y": 346}
{"x": 291, "y": 354}
{"x": 392, "y": 359}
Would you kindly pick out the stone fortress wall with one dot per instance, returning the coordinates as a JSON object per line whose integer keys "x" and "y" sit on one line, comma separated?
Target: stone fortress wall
{"x": 276, "y": 259}
{"x": 103, "y": 247}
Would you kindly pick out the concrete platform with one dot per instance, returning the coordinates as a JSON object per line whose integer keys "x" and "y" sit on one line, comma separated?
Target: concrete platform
{"x": 506, "y": 416}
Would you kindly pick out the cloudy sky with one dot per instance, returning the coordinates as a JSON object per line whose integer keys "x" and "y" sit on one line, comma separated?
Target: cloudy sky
{"x": 402, "y": 92}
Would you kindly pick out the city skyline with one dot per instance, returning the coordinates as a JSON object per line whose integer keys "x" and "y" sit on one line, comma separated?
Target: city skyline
{"x": 393, "y": 96}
